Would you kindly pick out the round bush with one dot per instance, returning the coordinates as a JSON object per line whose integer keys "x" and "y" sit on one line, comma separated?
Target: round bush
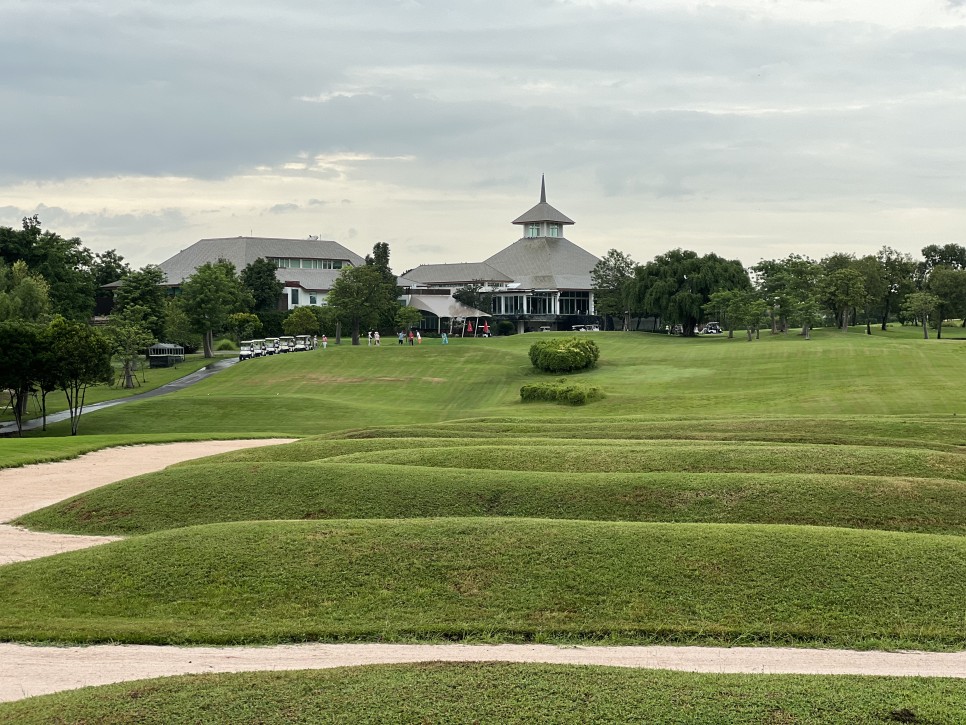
{"x": 564, "y": 354}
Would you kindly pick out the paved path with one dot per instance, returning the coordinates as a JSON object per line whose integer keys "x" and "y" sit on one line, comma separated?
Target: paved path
{"x": 26, "y": 671}
{"x": 10, "y": 428}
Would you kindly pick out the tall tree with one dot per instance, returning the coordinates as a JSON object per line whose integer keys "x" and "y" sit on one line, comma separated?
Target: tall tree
{"x": 211, "y": 294}
{"x": 301, "y": 321}
{"x": 379, "y": 259}
{"x": 677, "y": 284}
{"x": 144, "y": 288}
{"x": 23, "y": 295}
{"x": 899, "y": 272}
{"x": 83, "y": 358}
{"x": 842, "y": 290}
{"x": 790, "y": 286}
{"x": 919, "y": 305}
{"x": 64, "y": 263}
{"x": 20, "y": 362}
{"x": 361, "y": 296}
{"x": 949, "y": 287}
{"x": 612, "y": 279}
{"x": 266, "y": 288}
{"x": 130, "y": 334}
{"x": 874, "y": 285}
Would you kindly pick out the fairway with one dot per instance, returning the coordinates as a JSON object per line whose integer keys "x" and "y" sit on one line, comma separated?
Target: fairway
{"x": 723, "y": 492}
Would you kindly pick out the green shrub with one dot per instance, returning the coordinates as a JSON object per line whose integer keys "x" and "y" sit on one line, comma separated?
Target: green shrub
{"x": 564, "y": 354}
{"x": 505, "y": 327}
{"x": 225, "y": 344}
{"x": 561, "y": 391}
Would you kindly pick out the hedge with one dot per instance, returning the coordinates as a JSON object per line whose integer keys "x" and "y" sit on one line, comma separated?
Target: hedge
{"x": 564, "y": 354}
{"x": 561, "y": 391}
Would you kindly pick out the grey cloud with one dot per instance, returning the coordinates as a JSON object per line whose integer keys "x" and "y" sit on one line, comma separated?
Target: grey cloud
{"x": 283, "y": 208}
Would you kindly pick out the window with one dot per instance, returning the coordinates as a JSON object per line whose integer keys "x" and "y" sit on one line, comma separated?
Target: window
{"x": 533, "y": 230}
{"x": 553, "y": 230}
{"x": 313, "y": 300}
{"x": 574, "y": 303}
{"x": 295, "y": 297}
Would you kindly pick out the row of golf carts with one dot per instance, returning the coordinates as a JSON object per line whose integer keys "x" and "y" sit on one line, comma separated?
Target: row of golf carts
{"x": 275, "y": 346}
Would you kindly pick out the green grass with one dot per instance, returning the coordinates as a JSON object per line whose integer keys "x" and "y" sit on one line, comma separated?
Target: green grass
{"x": 149, "y": 379}
{"x": 505, "y": 693}
{"x": 498, "y": 580}
{"x": 221, "y": 492}
{"x": 652, "y": 376}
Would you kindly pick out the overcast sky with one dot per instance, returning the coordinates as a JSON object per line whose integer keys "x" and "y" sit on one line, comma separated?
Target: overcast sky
{"x": 750, "y": 128}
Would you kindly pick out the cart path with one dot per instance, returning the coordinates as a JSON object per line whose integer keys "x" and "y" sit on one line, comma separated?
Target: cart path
{"x": 26, "y": 671}
{"x": 32, "y": 487}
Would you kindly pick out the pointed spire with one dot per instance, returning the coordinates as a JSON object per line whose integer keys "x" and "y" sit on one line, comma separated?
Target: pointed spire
{"x": 543, "y": 190}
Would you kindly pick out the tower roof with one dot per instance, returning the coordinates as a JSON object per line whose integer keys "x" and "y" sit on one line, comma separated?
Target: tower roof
{"x": 543, "y": 212}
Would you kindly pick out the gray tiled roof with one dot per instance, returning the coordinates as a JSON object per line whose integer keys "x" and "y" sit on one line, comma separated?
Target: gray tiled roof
{"x": 461, "y": 273}
{"x": 543, "y": 212}
{"x": 546, "y": 263}
{"x": 242, "y": 251}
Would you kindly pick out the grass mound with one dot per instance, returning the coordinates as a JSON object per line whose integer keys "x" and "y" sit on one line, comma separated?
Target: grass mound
{"x": 498, "y": 692}
{"x": 210, "y": 493}
{"x": 499, "y": 580}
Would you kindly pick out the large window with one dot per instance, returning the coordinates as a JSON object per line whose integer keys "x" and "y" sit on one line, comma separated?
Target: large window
{"x": 541, "y": 303}
{"x": 292, "y": 263}
{"x": 533, "y": 230}
{"x": 553, "y": 230}
{"x": 295, "y": 297}
{"x": 574, "y": 303}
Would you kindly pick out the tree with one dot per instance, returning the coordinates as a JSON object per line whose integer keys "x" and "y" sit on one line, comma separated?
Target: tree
{"x": 83, "y": 358}
{"x": 23, "y": 295}
{"x": 612, "y": 279}
{"x": 919, "y": 305}
{"x": 790, "y": 286}
{"x": 741, "y": 308}
{"x": 874, "y": 286}
{"x": 898, "y": 271}
{"x": 301, "y": 321}
{"x": 144, "y": 288}
{"x": 949, "y": 287}
{"x": 676, "y": 285}
{"x": 360, "y": 296}
{"x": 245, "y": 325}
{"x": 408, "y": 317}
{"x": 379, "y": 259}
{"x": 64, "y": 263}
{"x": 472, "y": 295}
{"x": 20, "y": 342}
{"x": 177, "y": 328}
{"x": 260, "y": 279}
{"x": 130, "y": 334}
{"x": 843, "y": 289}
{"x": 211, "y": 294}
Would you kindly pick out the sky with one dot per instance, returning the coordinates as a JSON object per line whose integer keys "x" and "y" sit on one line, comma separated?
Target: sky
{"x": 749, "y": 128}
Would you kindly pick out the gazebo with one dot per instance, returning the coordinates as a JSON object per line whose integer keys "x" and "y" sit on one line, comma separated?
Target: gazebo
{"x": 165, "y": 355}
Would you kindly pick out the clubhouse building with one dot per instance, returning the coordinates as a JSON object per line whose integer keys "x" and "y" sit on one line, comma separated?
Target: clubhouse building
{"x": 541, "y": 281}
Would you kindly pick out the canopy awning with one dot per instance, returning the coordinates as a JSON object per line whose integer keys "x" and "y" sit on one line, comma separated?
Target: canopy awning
{"x": 444, "y": 306}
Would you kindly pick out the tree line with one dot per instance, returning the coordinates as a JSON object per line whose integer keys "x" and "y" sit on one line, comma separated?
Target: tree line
{"x": 682, "y": 288}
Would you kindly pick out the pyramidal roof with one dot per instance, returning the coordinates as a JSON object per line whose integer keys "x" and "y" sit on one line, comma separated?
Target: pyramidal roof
{"x": 546, "y": 263}
{"x": 543, "y": 212}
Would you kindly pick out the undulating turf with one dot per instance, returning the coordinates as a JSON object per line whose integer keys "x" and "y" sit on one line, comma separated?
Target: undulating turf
{"x": 498, "y": 580}
{"x": 504, "y": 693}
{"x": 201, "y": 494}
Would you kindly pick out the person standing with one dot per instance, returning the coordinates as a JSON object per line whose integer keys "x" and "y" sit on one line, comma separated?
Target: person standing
{"x": 419, "y": 338}
{"x": 402, "y": 337}
{"x": 445, "y": 338}
{"x": 412, "y": 338}
{"x": 325, "y": 342}
{"x": 370, "y": 338}
{"x": 377, "y": 338}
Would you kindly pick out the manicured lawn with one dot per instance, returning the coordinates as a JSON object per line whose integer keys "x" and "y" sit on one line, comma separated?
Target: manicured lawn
{"x": 498, "y": 580}
{"x": 505, "y": 693}
{"x": 220, "y": 492}
{"x": 646, "y": 375}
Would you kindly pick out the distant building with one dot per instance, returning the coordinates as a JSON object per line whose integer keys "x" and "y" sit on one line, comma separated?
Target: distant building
{"x": 540, "y": 281}
{"x": 307, "y": 267}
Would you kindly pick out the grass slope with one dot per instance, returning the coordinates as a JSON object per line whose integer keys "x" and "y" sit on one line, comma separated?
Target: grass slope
{"x": 650, "y": 375}
{"x": 498, "y": 580}
{"x": 497, "y": 692}
{"x": 201, "y": 494}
